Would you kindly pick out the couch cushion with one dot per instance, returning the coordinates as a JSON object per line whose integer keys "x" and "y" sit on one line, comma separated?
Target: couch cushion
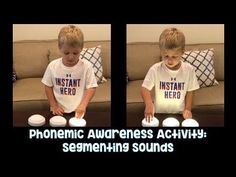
{"x": 209, "y": 95}
{"x": 134, "y": 99}
{"x": 103, "y": 93}
{"x": 33, "y": 89}
{"x": 134, "y": 91}
{"x": 30, "y": 58}
{"x": 102, "y": 98}
{"x": 30, "y": 94}
{"x": 28, "y": 89}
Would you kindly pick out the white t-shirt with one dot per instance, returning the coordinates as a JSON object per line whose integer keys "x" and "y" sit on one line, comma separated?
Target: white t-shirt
{"x": 171, "y": 86}
{"x": 69, "y": 83}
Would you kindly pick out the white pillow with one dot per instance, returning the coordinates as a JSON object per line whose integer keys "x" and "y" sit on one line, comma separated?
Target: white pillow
{"x": 202, "y": 61}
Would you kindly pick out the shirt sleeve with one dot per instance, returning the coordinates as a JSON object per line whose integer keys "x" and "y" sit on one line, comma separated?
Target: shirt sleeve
{"x": 193, "y": 82}
{"x": 91, "y": 80}
{"x": 149, "y": 80}
{"x": 47, "y": 77}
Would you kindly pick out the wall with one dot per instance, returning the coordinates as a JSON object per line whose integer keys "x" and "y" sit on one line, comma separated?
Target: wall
{"x": 50, "y": 31}
{"x": 194, "y": 33}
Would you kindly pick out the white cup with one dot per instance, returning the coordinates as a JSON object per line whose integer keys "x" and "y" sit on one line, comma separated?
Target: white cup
{"x": 170, "y": 122}
{"x": 57, "y": 121}
{"x": 77, "y": 122}
{"x": 154, "y": 122}
{"x": 36, "y": 120}
{"x": 190, "y": 123}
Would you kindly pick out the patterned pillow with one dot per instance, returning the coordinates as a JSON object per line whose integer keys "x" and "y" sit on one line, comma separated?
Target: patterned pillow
{"x": 14, "y": 77}
{"x": 202, "y": 61}
{"x": 93, "y": 55}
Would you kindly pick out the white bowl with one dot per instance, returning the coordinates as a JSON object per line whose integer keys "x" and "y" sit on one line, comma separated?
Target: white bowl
{"x": 77, "y": 122}
{"x": 36, "y": 120}
{"x": 154, "y": 122}
{"x": 57, "y": 121}
{"x": 170, "y": 122}
{"x": 190, "y": 123}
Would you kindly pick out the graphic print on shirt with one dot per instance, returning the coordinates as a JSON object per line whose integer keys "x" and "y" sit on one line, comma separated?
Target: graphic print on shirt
{"x": 172, "y": 90}
{"x": 68, "y": 85}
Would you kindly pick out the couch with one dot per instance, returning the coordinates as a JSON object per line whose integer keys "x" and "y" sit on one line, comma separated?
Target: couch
{"x": 142, "y": 55}
{"x": 30, "y": 59}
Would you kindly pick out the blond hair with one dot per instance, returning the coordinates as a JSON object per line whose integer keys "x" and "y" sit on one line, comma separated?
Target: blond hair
{"x": 71, "y": 35}
{"x": 172, "y": 38}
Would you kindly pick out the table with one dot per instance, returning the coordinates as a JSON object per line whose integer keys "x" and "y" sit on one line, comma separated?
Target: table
{"x": 103, "y": 119}
{"x": 93, "y": 119}
{"x": 205, "y": 119}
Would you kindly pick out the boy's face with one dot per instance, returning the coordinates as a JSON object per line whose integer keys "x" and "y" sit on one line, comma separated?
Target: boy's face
{"x": 70, "y": 55}
{"x": 172, "y": 58}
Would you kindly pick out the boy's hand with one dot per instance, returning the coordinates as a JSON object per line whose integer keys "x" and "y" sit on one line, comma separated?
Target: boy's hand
{"x": 57, "y": 110}
{"x": 149, "y": 113}
{"x": 80, "y": 111}
{"x": 187, "y": 114}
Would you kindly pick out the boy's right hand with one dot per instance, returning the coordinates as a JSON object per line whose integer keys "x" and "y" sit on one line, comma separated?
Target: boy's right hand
{"x": 80, "y": 111}
{"x": 57, "y": 110}
{"x": 149, "y": 112}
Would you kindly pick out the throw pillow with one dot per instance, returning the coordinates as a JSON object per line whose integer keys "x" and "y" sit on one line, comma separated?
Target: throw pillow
{"x": 14, "y": 77}
{"x": 202, "y": 61}
{"x": 93, "y": 55}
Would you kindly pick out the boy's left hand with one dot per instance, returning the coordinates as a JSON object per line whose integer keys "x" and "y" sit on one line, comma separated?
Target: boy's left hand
{"x": 187, "y": 114}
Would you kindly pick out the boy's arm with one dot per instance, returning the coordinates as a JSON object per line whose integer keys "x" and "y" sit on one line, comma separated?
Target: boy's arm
{"x": 52, "y": 101}
{"x": 149, "y": 108}
{"x": 88, "y": 95}
{"x": 188, "y": 105}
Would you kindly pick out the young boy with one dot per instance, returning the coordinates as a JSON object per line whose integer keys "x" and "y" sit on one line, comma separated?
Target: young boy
{"x": 173, "y": 79}
{"x": 69, "y": 82}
